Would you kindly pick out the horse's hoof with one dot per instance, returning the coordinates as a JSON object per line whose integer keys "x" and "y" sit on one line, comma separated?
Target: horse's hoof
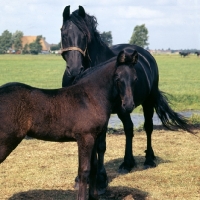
{"x": 101, "y": 191}
{"x": 123, "y": 171}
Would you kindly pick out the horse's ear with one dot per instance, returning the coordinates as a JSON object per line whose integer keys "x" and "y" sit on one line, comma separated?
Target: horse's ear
{"x": 81, "y": 11}
{"x": 134, "y": 57}
{"x": 66, "y": 13}
{"x": 121, "y": 57}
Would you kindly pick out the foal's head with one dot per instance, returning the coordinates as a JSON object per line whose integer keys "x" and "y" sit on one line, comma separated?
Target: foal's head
{"x": 126, "y": 78}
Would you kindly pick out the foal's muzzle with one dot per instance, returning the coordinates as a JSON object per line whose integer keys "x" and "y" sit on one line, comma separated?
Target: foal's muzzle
{"x": 128, "y": 107}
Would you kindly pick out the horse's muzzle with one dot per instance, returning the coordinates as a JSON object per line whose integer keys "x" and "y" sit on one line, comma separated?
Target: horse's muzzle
{"x": 74, "y": 72}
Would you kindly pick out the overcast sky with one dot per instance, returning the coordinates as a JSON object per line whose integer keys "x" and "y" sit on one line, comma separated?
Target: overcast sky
{"x": 173, "y": 24}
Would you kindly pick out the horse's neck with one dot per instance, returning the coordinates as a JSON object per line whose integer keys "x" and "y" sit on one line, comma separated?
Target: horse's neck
{"x": 99, "y": 53}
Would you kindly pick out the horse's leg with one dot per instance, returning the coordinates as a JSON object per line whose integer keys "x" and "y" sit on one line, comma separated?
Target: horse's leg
{"x": 85, "y": 147}
{"x": 129, "y": 161}
{"x": 148, "y": 126}
{"x": 7, "y": 145}
{"x": 102, "y": 179}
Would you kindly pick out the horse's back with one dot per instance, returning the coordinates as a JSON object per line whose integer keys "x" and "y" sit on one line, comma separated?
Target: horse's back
{"x": 146, "y": 68}
{"x": 146, "y": 60}
{"x": 130, "y": 48}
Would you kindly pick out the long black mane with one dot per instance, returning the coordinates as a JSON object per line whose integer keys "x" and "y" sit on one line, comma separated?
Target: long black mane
{"x": 88, "y": 25}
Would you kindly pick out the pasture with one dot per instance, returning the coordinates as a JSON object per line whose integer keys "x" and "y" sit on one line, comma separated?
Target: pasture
{"x": 179, "y": 77}
{"x": 46, "y": 170}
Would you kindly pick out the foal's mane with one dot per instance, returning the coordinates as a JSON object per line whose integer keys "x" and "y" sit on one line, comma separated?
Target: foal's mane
{"x": 91, "y": 70}
{"x": 88, "y": 25}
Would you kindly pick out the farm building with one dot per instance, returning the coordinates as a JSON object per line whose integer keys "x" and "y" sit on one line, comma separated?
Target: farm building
{"x": 30, "y": 39}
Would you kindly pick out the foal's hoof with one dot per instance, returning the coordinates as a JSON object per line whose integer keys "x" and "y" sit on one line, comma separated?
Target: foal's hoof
{"x": 102, "y": 183}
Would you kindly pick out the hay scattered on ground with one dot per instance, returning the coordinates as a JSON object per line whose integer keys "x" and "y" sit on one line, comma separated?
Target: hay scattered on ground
{"x": 46, "y": 170}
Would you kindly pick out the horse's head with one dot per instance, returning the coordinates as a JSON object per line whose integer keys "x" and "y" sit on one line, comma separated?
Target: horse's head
{"x": 74, "y": 41}
{"x": 126, "y": 78}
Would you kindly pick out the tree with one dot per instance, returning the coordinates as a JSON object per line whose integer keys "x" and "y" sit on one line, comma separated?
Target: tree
{"x": 5, "y": 41}
{"x": 56, "y": 47}
{"x": 17, "y": 40}
{"x": 107, "y": 38}
{"x": 140, "y": 36}
{"x": 25, "y": 49}
{"x": 36, "y": 47}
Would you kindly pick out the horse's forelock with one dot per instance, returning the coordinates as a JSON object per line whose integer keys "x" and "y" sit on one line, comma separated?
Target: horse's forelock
{"x": 88, "y": 25}
{"x": 81, "y": 23}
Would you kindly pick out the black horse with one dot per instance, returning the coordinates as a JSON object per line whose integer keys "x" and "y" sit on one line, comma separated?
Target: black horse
{"x": 77, "y": 113}
{"x": 184, "y": 54}
{"x": 83, "y": 48}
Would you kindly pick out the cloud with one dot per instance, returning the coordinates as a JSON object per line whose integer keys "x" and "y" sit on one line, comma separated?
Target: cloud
{"x": 44, "y": 17}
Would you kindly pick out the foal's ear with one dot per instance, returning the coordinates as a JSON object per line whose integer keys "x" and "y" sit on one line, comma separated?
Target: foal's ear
{"x": 81, "y": 11}
{"x": 121, "y": 57}
{"x": 66, "y": 13}
{"x": 134, "y": 57}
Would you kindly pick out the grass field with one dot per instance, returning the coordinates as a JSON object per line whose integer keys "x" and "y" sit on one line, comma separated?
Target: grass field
{"x": 44, "y": 71}
{"x": 178, "y": 76}
{"x": 46, "y": 170}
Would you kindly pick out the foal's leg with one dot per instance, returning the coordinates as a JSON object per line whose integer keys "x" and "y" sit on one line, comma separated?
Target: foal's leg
{"x": 129, "y": 161}
{"x": 148, "y": 126}
{"x": 93, "y": 194}
{"x": 7, "y": 145}
{"x": 85, "y": 147}
{"x": 102, "y": 179}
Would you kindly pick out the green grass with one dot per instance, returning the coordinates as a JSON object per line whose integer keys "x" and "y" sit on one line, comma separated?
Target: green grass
{"x": 179, "y": 77}
{"x": 44, "y": 71}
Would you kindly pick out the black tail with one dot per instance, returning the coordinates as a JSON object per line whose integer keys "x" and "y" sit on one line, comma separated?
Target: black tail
{"x": 168, "y": 117}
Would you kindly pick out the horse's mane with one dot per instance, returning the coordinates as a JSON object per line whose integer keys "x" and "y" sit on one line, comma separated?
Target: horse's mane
{"x": 88, "y": 25}
{"x": 91, "y": 70}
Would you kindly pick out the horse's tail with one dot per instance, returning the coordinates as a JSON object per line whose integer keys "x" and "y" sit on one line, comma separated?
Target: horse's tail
{"x": 168, "y": 117}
